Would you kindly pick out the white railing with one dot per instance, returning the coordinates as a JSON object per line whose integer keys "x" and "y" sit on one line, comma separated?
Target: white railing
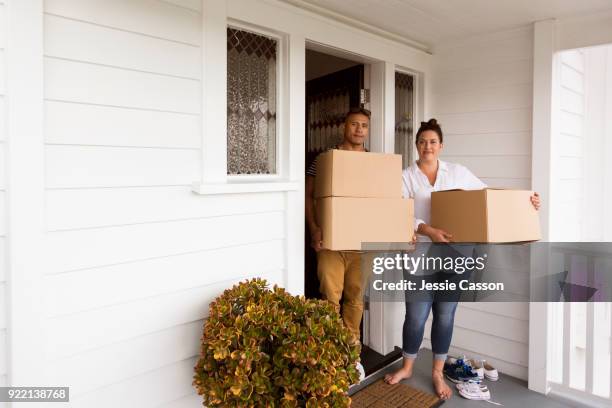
{"x": 581, "y": 343}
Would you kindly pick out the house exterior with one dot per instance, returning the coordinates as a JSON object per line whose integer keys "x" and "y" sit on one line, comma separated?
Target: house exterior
{"x": 120, "y": 223}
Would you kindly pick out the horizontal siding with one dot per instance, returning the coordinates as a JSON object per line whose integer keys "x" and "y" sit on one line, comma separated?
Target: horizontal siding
{"x": 154, "y": 388}
{"x": 465, "y": 80}
{"x": 2, "y": 118}
{"x": 93, "y": 125}
{"x": 131, "y": 358}
{"x": 512, "y": 183}
{"x": 2, "y": 24}
{"x": 102, "y": 166}
{"x": 2, "y": 72}
{"x": 123, "y": 206}
{"x": 132, "y": 257}
{"x": 498, "y": 121}
{"x": 2, "y": 259}
{"x": 499, "y": 48}
{"x": 496, "y": 98}
{"x": 148, "y": 17}
{"x": 153, "y": 240}
{"x": 515, "y": 143}
{"x": 483, "y": 100}
{"x": 76, "y": 81}
{"x": 195, "y": 5}
{"x": 4, "y": 215}
{"x": 2, "y": 168}
{"x": 79, "y": 332}
{"x": 142, "y": 279}
{"x": 498, "y": 166}
{"x": 77, "y": 40}
{"x": 570, "y": 125}
{"x": 189, "y": 401}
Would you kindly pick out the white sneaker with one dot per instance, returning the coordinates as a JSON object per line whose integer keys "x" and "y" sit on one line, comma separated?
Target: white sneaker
{"x": 484, "y": 370}
{"x": 474, "y": 391}
{"x": 478, "y": 370}
{"x": 490, "y": 372}
{"x": 361, "y": 371}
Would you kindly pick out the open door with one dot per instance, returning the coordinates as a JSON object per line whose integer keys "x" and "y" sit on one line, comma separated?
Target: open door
{"x": 328, "y": 98}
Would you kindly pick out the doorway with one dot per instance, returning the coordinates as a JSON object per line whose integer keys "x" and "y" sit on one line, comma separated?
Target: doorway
{"x": 334, "y": 84}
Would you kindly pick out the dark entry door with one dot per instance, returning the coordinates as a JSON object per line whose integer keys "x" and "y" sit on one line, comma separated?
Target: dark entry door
{"x": 328, "y": 98}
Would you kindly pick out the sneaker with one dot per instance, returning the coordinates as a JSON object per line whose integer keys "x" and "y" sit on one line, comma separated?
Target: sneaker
{"x": 490, "y": 372}
{"x": 361, "y": 371}
{"x": 459, "y": 372}
{"x": 478, "y": 370}
{"x": 474, "y": 391}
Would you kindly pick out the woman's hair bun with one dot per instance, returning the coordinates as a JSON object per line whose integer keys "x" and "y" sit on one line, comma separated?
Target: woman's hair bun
{"x": 431, "y": 124}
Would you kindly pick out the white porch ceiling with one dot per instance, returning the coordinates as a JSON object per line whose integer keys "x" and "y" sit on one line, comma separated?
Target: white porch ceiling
{"x": 432, "y": 22}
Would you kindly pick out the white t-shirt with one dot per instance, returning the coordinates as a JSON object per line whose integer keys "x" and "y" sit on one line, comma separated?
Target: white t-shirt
{"x": 450, "y": 176}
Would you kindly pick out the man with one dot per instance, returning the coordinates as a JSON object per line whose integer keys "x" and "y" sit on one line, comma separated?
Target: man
{"x": 339, "y": 272}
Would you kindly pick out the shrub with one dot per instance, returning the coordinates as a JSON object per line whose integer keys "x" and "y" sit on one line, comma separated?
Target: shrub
{"x": 267, "y": 348}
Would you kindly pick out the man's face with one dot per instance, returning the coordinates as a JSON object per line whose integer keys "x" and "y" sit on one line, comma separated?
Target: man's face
{"x": 356, "y": 128}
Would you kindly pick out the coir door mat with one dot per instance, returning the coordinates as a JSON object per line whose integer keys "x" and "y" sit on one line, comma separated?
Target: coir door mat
{"x": 382, "y": 395}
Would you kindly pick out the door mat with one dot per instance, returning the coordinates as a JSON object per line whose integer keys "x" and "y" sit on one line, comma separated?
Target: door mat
{"x": 382, "y": 395}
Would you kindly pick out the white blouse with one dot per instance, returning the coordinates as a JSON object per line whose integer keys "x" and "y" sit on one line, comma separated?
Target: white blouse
{"x": 450, "y": 176}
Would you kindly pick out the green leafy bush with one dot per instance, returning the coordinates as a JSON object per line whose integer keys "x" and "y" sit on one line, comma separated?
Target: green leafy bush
{"x": 267, "y": 348}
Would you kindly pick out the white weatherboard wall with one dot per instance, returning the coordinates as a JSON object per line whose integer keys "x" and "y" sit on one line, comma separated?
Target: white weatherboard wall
{"x": 133, "y": 257}
{"x": 482, "y": 96}
{"x": 3, "y": 214}
{"x": 125, "y": 257}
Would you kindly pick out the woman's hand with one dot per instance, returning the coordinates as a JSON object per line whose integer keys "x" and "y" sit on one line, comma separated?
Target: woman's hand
{"x": 316, "y": 239}
{"x": 438, "y": 235}
{"x": 435, "y": 234}
{"x": 535, "y": 200}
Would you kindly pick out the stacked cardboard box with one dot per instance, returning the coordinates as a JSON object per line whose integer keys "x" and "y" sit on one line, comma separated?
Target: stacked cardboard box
{"x": 488, "y": 216}
{"x": 359, "y": 199}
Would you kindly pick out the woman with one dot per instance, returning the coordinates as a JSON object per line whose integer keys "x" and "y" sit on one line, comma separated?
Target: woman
{"x": 426, "y": 175}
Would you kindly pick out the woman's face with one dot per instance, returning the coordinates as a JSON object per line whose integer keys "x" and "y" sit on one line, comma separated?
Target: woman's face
{"x": 429, "y": 146}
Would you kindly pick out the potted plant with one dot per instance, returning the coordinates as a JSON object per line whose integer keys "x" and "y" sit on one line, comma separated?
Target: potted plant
{"x": 263, "y": 347}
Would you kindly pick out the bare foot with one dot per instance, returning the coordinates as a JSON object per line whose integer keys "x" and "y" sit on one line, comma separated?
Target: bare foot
{"x": 402, "y": 374}
{"x": 442, "y": 389}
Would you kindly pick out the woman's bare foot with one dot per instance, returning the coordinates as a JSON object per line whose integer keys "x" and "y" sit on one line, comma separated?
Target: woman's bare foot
{"x": 402, "y": 374}
{"x": 442, "y": 389}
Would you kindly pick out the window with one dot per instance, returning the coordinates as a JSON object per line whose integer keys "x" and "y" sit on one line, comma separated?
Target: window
{"x": 404, "y": 114}
{"x": 251, "y": 103}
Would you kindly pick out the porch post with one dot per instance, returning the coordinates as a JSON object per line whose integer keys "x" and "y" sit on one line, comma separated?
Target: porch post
{"x": 542, "y": 133}
{"x": 25, "y": 192}
{"x": 293, "y": 132}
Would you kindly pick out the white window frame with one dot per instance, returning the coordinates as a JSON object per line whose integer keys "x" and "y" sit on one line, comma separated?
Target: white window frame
{"x": 281, "y": 84}
{"x": 214, "y": 178}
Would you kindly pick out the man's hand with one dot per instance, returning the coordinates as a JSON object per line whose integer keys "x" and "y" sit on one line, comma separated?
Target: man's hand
{"x": 316, "y": 239}
{"x": 535, "y": 200}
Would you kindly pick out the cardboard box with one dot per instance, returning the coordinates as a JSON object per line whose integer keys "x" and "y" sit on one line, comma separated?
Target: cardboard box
{"x": 342, "y": 173}
{"x": 346, "y": 222}
{"x": 489, "y": 215}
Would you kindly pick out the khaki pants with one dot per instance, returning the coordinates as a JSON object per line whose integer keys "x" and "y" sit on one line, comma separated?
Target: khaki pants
{"x": 340, "y": 274}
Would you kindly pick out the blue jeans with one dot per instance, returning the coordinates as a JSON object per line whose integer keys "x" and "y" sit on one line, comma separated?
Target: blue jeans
{"x": 441, "y": 328}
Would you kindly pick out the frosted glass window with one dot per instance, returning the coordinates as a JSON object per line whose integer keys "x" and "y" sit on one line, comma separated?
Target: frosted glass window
{"x": 404, "y": 114}
{"x": 251, "y": 103}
